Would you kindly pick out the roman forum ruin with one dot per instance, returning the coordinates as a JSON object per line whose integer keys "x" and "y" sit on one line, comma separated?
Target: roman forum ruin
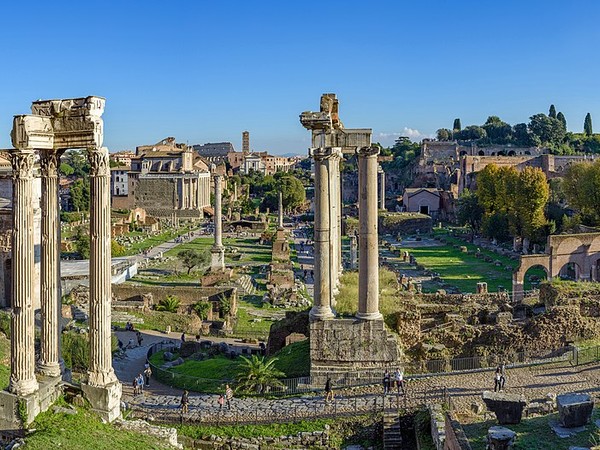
{"x": 40, "y": 138}
{"x": 334, "y": 342}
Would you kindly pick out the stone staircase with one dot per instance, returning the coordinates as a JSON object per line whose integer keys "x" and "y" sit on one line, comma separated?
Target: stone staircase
{"x": 124, "y": 317}
{"x": 245, "y": 285}
{"x": 81, "y": 313}
{"x": 392, "y": 435}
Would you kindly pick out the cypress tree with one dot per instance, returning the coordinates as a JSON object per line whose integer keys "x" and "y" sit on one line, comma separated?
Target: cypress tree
{"x": 560, "y": 116}
{"x": 552, "y": 112}
{"x": 587, "y": 125}
{"x": 456, "y": 126}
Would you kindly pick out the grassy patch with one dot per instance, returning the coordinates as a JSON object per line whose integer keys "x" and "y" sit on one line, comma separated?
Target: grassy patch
{"x": 347, "y": 299}
{"x": 4, "y": 361}
{"x": 84, "y": 430}
{"x": 159, "y": 320}
{"x": 294, "y": 359}
{"x": 250, "y": 431}
{"x": 533, "y": 434}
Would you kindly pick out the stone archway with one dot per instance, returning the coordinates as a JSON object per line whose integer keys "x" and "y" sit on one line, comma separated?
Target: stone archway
{"x": 570, "y": 271}
{"x": 533, "y": 276}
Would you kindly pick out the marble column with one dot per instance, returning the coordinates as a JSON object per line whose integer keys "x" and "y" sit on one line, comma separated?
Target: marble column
{"x": 50, "y": 358}
{"x": 368, "y": 262}
{"x": 322, "y": 267}
{"x": 280, "y": 212}
{"x": 101, "y": 372}
{"x": 334, "y": 237}
{"x": 217, "y": 251}
{"x": 340, "y": 260}
{"x": 22, "y": 352}
{"x": 353, "y": 252}
{"x": 381, "y": 188}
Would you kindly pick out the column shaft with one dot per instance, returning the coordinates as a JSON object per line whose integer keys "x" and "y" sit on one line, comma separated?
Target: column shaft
{"x": 49, "y": 363}
{"x": 101, "y": 372}
{"x": 22, "y": 351}
{"x": 382, "y": 189}
{"x": 218, "y": 252}
{"x": 322, "y": 267}
{"x": 368, "y": 262}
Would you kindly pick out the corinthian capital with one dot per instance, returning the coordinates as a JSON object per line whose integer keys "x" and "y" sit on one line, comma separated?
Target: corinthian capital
{"x": 22, "y": 164}
{"x": 366, "y": 152}
{"x": 49, "y": 162}
{"x": 99, "y": 162}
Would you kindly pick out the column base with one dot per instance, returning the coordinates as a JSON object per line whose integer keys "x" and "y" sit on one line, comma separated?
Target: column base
{"x": 320, "y": 313}
{"x": 217, "y": 261}
{"x": 23, "y": 387}
{"x": 369, "y": 316}
{"x": 105, "y": 400}
{"x": 49, "y": 370}
{"x": 102, "y": 378}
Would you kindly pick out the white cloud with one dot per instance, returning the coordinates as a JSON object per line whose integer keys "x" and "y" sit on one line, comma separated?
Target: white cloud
{"x": 412, "y": 133}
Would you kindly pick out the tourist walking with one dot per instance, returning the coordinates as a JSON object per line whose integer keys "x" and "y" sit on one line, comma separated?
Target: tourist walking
{"x": 497, "y": 380}
{"x": 386, "y": 382}
{"x": 140, "y": 383}
{"x": 147, "y": 375}
{"x": 399, "y": 378}
{"x": 135, "y": 386}
{"x": 184, "y": 402}
{"x": 139, "y": 338}
{"x": 502, "y": 375}
{"x": 228, "y": 395}
{"x": 328, "y": 391}
{"x": 221, "y": 401}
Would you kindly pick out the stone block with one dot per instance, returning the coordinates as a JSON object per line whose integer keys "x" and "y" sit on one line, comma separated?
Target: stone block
{"x": 508, "y": 408}
{"x": 574, "y": 410}
{"x": 500, "y": 438}
{"x": 188, "y": 348}
{"x": 105, "y": 400}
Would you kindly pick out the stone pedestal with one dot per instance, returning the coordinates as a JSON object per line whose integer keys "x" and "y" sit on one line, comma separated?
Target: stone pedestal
{"x": 368, "y": 264}
{"x": 574, "y": 410}
{"x": 508, "y": 408}
{"x": 105, "y": 400}
{"x": 482, "y": 288}
{"x": 217, "y": 259}
{"x": 500, "y": 438}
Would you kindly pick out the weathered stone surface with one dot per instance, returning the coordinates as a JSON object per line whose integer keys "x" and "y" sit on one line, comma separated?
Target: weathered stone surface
{"x": 168, "y": 435}
{"x": 500, "y": 438}
{"x": 574, "y": 410}
{"x": 507, "y": 407}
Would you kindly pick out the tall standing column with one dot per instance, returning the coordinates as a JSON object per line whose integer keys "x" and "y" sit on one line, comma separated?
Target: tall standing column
{"x": 49, "y": 363}
{"x": 101, "y": 372}
{"x": 381, "y": 188}
{"x": 334, "y": 177}
{"x": 322, "y": 280}
{"x": 368, "y": 262}
{"x": 22, "y": 351}
{"x": 280, "y": 212}
{"x": 217, "y": 251}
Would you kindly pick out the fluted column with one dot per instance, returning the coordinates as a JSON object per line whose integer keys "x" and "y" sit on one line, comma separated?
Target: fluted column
{"x": 22, "y": 351}
{"x": 101, "y": 372}
{"x": 218, "y": 252}
{"x": 50, "y": 358}
{"x": 334, "y": 238}
{"x": 280, "y": 212}
{"x": 322, "y": 280}
{"x": 368, "y": 262}
{"x": 381, "y": 188}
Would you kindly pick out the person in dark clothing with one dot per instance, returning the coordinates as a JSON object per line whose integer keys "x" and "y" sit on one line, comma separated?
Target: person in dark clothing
{"x": 328, "y": 390}
{"x": 185, "y": 401}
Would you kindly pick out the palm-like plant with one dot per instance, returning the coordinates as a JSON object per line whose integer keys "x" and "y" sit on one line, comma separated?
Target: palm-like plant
{"x": 257, "y": 374}
{"x": 169, "y": 304}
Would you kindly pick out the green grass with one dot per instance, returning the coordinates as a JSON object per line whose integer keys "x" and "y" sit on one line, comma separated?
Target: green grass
{"x": 294, "y": 359}
{"x": 347, "y": 299}
{"x": 245, "y": 323}
{"x": 533, "y": 434}
{"x": 159, "y": 320}
{"x": 84, "y": 430}
{"x": 251, "y": 250}
{"x": 4, "y": 361}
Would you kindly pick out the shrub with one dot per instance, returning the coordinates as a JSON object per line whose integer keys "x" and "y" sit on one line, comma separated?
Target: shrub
{"x": 76, "y": 351}
{"x": 168, "y": 304}
{"x": 201, "y": 308}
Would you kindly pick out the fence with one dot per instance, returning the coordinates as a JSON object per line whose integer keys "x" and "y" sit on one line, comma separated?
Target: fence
{"x": 301, "y": 385}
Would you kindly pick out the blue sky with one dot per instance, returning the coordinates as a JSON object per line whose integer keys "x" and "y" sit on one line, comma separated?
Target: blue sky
{"x": 205, "y": 71}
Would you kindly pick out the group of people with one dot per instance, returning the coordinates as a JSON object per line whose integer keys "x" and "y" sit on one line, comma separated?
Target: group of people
{"x": 223, "y": 399}
{"x": 397, "y": 378}
{"x": 143, "y": 379}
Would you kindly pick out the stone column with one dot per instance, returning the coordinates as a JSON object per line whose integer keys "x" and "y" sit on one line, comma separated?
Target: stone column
{"x": 280, "y": 212}
{"x": 339, "y": 218}
{"x": 381, "y": 188}
{"x": 50, "y": 359}
{"x": 217, "y": 251}
{"x": 22, "y": 351}
{"x": 322, "y": 281}
{"x": 101, "y": 372}
{"x": 353, "y": 252}
{"x": 368, "y": 263}
{"x": 334, "y": 237}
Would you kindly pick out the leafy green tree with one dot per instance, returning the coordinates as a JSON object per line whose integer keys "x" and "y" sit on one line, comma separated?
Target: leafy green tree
{"x": 191, "y": 258}
{"x": 550, "y": 131}
{"x": 562, "y": 119}
{"x": 552, "y": 112}
{"x": 168, "y": 304}
{"x": 82, "y": 242}
{"x": 469, "y": 212}
{"x": 80, "y": 195}
{"x": 443, "y": 134}
{"x": 523, "y": 137}
{"x": 529, "y": 201}
{"x": 498, "y": 131}
{"x": 456, "y": 126}
{"x": 258, "y": 374}
{"x": 117, "y": 249}
{"x": 471, "y": 133}
{"x": 581, "y": 184}
{"x": 587, "y": 125}
{"x": 224, "y": 305}
{"x": 66, "y": 169}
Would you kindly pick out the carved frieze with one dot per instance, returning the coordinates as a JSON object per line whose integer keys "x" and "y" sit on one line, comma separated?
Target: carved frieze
{"x": 91, "y": 106}
{"x": 32, "y": 132}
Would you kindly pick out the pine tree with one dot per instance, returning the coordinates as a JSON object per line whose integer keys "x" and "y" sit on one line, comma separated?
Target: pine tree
{"x": 587, "y": 125}
{"x": 560, "y": 116}
{"x": 552, "y": 112}
{"x": 456, "y": 126}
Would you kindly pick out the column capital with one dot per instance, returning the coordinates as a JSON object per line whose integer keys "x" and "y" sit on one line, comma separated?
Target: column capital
{"x": 367, "y": 152}
{"x": 22, "y": 162}
{"x": 323, "y": 153}
{"x": 99, "y": 161}
{"x": 49, "y": 162}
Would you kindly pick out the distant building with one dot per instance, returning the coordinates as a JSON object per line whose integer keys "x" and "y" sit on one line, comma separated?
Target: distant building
{"x": 253, "y": 163}
{"x": 119, "y": 181}
{"x": 122, "y": 158}
{"x": 245, "y": 142}
{"x": 214, "y": 152}
{"x": 422, "y": 200}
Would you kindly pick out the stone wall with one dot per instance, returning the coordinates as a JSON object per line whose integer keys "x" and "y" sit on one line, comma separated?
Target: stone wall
{"x": 294, "y": 322}
{"x": 455, "y": 436}
{"x": 303, "y": 440}
{"x": 404, "y": 223}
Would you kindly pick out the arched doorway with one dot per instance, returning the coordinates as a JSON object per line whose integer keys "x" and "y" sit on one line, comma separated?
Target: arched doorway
{"x": 595, "y": 270}
{"x": 570, "y": 271}
{"x": 481, "y": 153}
{"x": 534, "y": 276}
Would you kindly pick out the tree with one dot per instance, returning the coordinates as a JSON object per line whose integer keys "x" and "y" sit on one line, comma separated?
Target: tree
{"x": 581, "y": 185}
{"x": 257, "y": 374}
{"x": 562, "y": 119}
{"x": 522, "y": 136}
{"x": 191, "y": 258}
{"x": 552, "y": 112}
{"x": 471, "y": 133}
{"x": 168, "y": 304}
{"x": 82, "y": 242}
{"x": 444, "y": 134}
{"x": 529, "y": 201}
{"x": 587, "y": 125}
{"x": 66, "y": 169}
{"x": 456, "y": 127}
{"x": 80, "y": 194}
{"x": 498, "y": 131}
{"x": 469, "y": 212}
{"x": 550, "y": 131}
